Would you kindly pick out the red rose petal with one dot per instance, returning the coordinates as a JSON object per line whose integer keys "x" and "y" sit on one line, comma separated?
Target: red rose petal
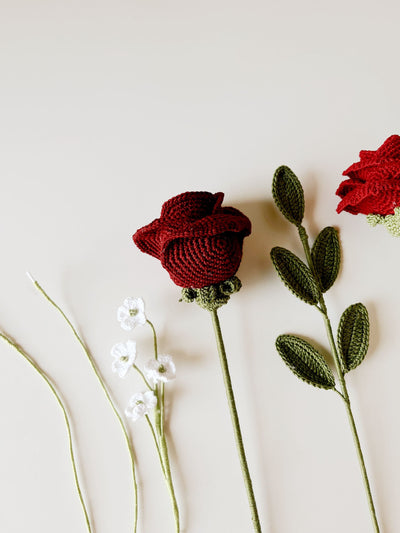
{"x": 373, "y": 186}
{"x": 197, "y": 241}
{"x": 190, "y": 206}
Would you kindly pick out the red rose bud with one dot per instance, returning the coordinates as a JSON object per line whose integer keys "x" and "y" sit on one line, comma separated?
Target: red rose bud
{"x": 198, "y": 242}
{"x": 373, "y": 187}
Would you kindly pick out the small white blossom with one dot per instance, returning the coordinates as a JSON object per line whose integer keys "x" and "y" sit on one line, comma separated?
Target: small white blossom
{"x": 124, "y": 354}
{"x": 140, "y": 404}
{"x": 161, "y": 369}
{"x": 131, "y": 313}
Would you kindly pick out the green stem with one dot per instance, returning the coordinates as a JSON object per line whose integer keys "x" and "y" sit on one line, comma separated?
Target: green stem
{"x": 168, "y": 479}
{"x": 153, "y": 433}
{"x": 60, "y": 402}
{"x": 162, "y": 409}
{"x": 162, "y": 446}
{"x": 158, "y": 392}
{"x": 143, "y": 377}
{"x": 235, "y": 422}
{"x": 155, "y": 344}
{"x": 107, "y": 394}
{"x": 344, "y": 392}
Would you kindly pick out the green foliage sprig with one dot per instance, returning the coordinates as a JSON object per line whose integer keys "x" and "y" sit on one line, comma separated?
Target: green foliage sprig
{"x": 309, "y": 281}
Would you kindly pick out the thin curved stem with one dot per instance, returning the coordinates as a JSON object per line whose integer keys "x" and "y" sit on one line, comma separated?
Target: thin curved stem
{"x": 162, "y": 441}
{"x": 155, "y": 344}
{"x": 168, "y": 478}
{"x": 160, "y": 402}
{"x": 346, "y": 400}
{"x": 60, "y": 402}
{"x": 107, "y": 394}
{"x": 344, "y": 392}
{"x": 235, "y": 422}
{"x": 153, "y": 433}
{"x": 143, "y": 377}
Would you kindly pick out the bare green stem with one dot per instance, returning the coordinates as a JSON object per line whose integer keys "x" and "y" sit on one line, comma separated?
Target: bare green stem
{"x": 143, "y": 377}
{"x": 235, "y": 422}
{"x": 161, "y": 443}
{"x": 60, "y": 402}
{"x": 107, "y": 394}
{"x": 153, "y": 433}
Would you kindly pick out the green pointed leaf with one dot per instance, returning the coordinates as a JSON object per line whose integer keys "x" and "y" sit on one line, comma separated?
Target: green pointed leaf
{"x": 295, "y": 275}
{"x": 325, "y": 256}
{"x": 353, "y": 336}
{"x": 288, "y": 195}
{"x": 304, "y": 360}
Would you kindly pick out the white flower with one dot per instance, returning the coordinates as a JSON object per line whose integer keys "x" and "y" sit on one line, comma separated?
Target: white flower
{"x": 140, "y": 404}
{"x": 124, "y": 354}
{"x": 131, "y": 313}
{"x": 161, "y": 369}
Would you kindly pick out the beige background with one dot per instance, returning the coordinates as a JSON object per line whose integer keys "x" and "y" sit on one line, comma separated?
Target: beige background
{"x": 109, "y": 108}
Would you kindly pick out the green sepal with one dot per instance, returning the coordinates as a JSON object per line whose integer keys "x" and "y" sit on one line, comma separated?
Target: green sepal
{"x": 295, "y": 275}
{"x": 305, "y": 361}
{"x": 213, "y": 296}
{"x": 353, "y": 336}
{"x": 325, "y": 255}
{"x": 288, "y": 195}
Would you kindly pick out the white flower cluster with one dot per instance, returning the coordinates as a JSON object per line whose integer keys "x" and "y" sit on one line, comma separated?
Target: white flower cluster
{"x": 156, "y": 370}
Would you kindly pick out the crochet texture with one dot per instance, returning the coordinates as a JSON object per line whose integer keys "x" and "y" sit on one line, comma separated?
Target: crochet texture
{"x": 197, "y": 241}
{"x": 373, "y": 186}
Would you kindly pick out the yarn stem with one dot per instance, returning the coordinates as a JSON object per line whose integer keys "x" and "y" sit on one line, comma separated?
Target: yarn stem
{"x": 60, "y": 402}
{"x": 107, "y": 394}
{"x": 168, "y": 479}
{"x": 235, "y": 421}
{"x": 153, "y": 434}
{"x": 344, "y": 392}
{"x": 142, "y": 376}
{"x": 162, "y": 441}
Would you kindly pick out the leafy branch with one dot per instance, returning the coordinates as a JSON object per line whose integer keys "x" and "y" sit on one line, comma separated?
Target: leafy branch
{"x": 309, "y": 281}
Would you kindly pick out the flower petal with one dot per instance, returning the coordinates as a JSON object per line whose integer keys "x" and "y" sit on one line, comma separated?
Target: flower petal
{"x": 122, "y": 313}
{"x": 189, "y": 207}
{"x": 119, "y": 350}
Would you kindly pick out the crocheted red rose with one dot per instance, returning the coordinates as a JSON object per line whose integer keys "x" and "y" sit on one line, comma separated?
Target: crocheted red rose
{"x": 197, "y": 241}
{"x": 373, "y": 186}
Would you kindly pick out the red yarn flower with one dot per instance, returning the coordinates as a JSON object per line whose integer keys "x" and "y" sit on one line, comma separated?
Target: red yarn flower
{"x": 373, "y": 187}
{"x": 197, "y": 241}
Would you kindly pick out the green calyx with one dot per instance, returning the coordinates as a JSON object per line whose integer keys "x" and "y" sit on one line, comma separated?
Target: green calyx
{"x": 213, "y": 296}
{"x": 391, "y": 222}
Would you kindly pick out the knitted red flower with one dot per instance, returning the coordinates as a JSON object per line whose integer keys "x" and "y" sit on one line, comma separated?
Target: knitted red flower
{"x": 373, "y": 187}
{"x": 197, "y": 241}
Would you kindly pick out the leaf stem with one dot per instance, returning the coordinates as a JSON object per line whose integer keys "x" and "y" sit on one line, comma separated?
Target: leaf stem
{"x": 235, "y": 422}
{"x": 107, "y": 394}
{"x": 344, "y": 392}
{"x": 60, "y": 402}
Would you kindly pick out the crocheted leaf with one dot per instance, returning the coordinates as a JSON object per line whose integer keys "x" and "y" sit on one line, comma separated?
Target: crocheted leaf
{"x": 304, "y": 360}
{"x": 353, "y": 336}
{"x": 295, "y": 275}
{"x": 325, "y": 256}
{"x": 288, "y": 195}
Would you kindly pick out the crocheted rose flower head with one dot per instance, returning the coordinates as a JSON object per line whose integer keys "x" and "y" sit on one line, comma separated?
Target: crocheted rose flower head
{"x": 197, "y": 241}
{"x": 373, "y": 185}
